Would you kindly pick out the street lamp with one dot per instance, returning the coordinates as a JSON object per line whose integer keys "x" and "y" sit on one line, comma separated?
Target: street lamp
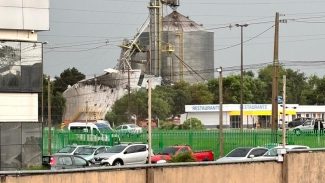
{"x": 241, "y": 73}
{"x": 221, "y": 140}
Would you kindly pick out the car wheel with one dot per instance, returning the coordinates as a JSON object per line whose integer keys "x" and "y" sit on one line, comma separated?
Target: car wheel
{"x": 118, "y": 163}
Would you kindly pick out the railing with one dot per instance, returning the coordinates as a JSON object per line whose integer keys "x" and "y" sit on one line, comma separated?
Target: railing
{"x": 197, "y": 139}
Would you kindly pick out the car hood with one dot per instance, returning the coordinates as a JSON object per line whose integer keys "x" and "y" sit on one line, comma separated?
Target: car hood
{"x": 105, "y": 155}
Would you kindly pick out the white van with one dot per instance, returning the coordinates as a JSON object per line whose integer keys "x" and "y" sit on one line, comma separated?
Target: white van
{"x": 94, "y": 132}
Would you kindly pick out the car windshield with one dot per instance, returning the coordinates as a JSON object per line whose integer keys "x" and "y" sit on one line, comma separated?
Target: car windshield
{"x": 271, "y": 152}
{"x": 86, "y": 150}
{"x": 239, "y": 152}
{"x": 169, "y": 151}
{"x": 68, "y": 149}
{"x": 103, "y": 127}
{"x": 116, "y": 149}
{"x": 133, "y": 126}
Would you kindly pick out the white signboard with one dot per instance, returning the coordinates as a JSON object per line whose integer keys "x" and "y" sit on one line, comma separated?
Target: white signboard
{"x": 18, "y": 107}
{"x": 24, "y": 14}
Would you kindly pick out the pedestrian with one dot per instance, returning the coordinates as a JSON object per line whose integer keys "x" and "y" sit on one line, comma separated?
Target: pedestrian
{"x": 320, "y": 124}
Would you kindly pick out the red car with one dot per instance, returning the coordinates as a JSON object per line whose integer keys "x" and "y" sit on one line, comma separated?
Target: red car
{"x": 170, "y": 151}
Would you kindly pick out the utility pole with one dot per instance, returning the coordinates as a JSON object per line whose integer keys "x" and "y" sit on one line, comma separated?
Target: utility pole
{"x": 284, "y": 111}
{"x": 149, "y": 120}
{"x": 241, "y": 73}
{"x": 86, "y": 112}
{"x": 49, "y": 115}
{"x": 129, "y": 95}
{"x": 155, "y": 8}
{"x": 221, "y": 139}
{"x": 275, "y": 76}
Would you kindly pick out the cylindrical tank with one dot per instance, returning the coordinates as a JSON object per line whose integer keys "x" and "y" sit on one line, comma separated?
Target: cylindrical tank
{"x": 187, "y": 50}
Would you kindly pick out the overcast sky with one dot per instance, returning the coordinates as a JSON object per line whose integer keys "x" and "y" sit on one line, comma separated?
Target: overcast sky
{"x": 85, "y": 33}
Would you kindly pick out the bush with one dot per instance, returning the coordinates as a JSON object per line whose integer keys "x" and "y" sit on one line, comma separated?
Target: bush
{"x": 192, "y": 123}
{"x": 182, "y": 157}
{"x": 167, "y": 125}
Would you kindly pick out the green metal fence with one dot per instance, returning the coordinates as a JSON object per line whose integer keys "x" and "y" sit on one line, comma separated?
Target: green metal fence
{"x": 198, "y": 140}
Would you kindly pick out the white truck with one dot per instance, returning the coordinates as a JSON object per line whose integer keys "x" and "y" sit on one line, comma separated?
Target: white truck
{"x": 94, "y": 133}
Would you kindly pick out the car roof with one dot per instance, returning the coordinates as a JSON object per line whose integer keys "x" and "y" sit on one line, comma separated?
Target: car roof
{"x": 292, "y": 146}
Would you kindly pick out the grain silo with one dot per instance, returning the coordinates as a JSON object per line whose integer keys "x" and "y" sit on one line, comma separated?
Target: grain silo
{"x": 187, "y": 51}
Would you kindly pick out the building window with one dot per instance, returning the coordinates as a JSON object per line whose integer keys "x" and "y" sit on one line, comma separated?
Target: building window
{"x": 234, "y": 121}
{"x": 20, "y": 67}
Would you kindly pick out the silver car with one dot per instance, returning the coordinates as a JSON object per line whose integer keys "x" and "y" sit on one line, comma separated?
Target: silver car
{"x": 123, "y": 154}
{"x": 89, "y": 153}
{"x": 242, "y": 154}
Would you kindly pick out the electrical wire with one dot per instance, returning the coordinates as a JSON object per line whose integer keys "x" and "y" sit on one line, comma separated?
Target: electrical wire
{"x": 254, "y": 37}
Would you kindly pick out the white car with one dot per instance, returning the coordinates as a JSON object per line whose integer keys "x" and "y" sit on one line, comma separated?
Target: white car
{"x": 129, "y": 129}
{"x": 307, "y": 126}
{"x": 242, "y": 154}
{"x": 274, "y": 151}
{"x": 71, "y": 149}
{"x": 123, "y": 154}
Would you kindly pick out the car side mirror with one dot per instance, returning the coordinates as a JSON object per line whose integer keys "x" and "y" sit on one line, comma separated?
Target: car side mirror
{"x": 251, "y": 156}
{"x": 125, "y": 152}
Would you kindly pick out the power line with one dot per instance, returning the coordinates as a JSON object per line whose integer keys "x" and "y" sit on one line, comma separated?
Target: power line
{"x": 254, "y": 37}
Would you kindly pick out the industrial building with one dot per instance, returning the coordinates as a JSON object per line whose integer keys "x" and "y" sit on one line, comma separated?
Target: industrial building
{"x": 187, "y": 51}
{"x": 166, "y": 49}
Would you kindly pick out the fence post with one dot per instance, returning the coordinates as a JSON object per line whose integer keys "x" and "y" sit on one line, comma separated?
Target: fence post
{"x": 190, "y": 140}
{"x": 161, "y": 139}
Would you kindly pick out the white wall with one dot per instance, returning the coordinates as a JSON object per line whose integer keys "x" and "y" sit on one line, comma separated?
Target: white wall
{"x": 24, "y": 14}
{"x": 18, "y": 107}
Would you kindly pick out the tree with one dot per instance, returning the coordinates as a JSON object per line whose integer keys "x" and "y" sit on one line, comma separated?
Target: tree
{"x": 57, "y": 103}
{"x": 181, "y": 97}
{"x": 139, "y": 107}
{"x": 67, "y": 77}
{"x": 295, "y": 86}
{"x": 200, "y": 94}
{"x": 192, "y": 123}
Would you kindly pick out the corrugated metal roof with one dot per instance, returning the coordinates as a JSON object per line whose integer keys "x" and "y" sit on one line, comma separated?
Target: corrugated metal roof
{"x": 178, "y": 22}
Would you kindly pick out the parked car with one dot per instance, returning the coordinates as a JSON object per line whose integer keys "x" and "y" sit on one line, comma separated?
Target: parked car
{"x": 71, "y": 149}
{"x": 64, "y": 161}
{"x": 297, "y": 122}
{"x": 88, "y": 153}
{"x": 274, "y": 151}
{"x": 307, "y": 126}
{"x": 123, "y": 154}
{"x": 243, "y": 153}
{"x": 129, "y": 129}
{"x": 168, "y": 152}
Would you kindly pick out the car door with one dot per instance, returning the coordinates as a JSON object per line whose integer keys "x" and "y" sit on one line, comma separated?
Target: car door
{"x": 308, "y": 126}
{"x": 79, "y": 162}
{"x": 125, "y": 129}
{"x": 141, "y": 154}
{"x": 130, "y": 155}
{"x": 63, "y": 162}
